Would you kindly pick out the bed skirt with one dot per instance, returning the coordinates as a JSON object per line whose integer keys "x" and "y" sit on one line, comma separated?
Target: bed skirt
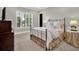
{"x": 55, "y": 42}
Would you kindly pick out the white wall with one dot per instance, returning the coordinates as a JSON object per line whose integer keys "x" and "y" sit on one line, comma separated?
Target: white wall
{"x": 11, "y": 14}
{"x": 61, "y": 12}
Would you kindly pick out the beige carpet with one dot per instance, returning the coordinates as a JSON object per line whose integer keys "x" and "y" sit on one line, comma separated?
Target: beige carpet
{"x": 23, "y": 43}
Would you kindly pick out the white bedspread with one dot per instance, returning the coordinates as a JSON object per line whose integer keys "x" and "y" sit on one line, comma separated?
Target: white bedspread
{"x": 41, "y": 33}
{"x": 51, "y": 35}
{"x": 53, "y": 31}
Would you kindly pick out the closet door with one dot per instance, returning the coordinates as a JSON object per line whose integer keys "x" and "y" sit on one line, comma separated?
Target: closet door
{"x": 41, "y": 20}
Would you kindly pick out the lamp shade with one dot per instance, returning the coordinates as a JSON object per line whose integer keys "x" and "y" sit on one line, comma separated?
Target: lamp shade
{"x": 73, "y": 22}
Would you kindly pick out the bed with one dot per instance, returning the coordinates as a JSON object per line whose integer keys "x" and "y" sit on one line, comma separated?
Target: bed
{"x": 50, "y": 36}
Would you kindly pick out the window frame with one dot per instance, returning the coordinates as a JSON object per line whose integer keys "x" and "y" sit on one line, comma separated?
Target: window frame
{"x": 21, "y": 14}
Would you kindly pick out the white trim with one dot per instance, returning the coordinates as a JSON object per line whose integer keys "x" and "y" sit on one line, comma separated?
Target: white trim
{"x": 21, "y": 32}
{"x": 22, "y": 27}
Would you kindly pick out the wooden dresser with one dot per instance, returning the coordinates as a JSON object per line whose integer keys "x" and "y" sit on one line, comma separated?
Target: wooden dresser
{"x": 6, "y": 36}
{"x": 72, "y": 38}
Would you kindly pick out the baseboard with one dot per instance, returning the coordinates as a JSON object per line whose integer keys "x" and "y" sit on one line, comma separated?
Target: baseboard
{"x": 21, "y": 32}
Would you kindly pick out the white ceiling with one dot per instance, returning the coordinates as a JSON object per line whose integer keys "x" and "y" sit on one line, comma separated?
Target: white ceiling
{"x": 37, "y": 8}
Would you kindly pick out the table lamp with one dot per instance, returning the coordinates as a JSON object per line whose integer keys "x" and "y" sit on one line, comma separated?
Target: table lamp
{"x": 73, "y": 24}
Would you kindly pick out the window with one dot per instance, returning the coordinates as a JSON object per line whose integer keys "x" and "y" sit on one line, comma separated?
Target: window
{"x": 18, "y": 21}
{"x": 29, "y": 19}
{"x": 24, "y": 19}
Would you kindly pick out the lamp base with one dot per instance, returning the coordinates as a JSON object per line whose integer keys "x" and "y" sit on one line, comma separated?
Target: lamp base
{"x": 73, "y": 28}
